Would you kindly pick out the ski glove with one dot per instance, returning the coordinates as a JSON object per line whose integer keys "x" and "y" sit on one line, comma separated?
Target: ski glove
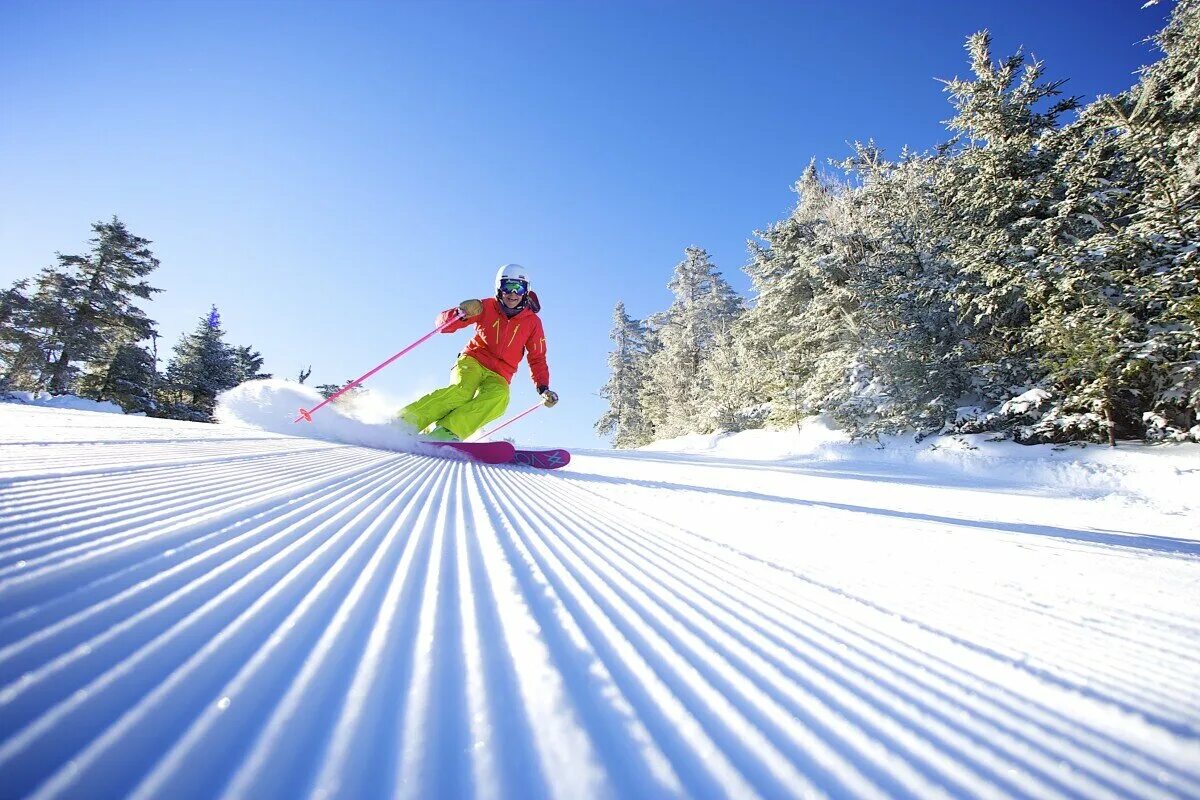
{"x": 470, "y": 308}
{"x": 549, "y": 398}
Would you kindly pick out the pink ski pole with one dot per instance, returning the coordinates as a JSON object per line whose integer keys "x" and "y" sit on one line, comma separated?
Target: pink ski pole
{"x": 526, "y": 412}
{"x": 307, "y": 414}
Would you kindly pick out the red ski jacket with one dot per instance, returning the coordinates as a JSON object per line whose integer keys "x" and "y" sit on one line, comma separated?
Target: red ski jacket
{"x": 500, "y": 341}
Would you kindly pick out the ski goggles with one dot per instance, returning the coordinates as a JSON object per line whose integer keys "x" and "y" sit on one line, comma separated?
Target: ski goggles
{"x": 514, "y": 287}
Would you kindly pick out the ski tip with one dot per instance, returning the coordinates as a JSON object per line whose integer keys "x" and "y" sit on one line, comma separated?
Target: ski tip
{"x": 555, "y": 458}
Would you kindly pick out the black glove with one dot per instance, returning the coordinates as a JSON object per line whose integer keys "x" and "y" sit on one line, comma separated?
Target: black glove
{"x": 549, "y": 398}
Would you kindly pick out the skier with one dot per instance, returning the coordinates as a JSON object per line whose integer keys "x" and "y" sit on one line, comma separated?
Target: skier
{"x": 507, "y": 327}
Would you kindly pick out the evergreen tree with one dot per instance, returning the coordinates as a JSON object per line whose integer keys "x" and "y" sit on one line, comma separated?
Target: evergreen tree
{"x": 704, "y": 310}
{"x": 203, "y": 367}
{"x": 93, "y": 298}
{"x": 1116, "y": 319}
{"x": 624, "y": 420}
{"x": 731, "y": 403}
{"x": 126, "y": 375}
{"x": 1047, "y": 275}
{"x": 328, "y": 390}
{"x": 802, "y": 332}
{"x": 19, "y": 350}
{"x": 1158, "y": 136}
{"x": 996, "y": 185}
{"x": 14, "y": 306}
{"x": 30, "y": 334}
{"x": 249, "y": 364}
{"x": 907, "y": 370}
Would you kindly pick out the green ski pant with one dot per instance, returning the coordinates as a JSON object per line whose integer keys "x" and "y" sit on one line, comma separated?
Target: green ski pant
{"x": 475, "y": 397}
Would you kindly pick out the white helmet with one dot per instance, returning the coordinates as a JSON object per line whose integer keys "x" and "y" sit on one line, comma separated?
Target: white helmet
{"x": 512, "y": 272}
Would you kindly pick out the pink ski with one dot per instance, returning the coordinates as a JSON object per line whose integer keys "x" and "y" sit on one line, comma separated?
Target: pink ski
{"x": 485, "y": 452}
{"x": 542, "y": 459}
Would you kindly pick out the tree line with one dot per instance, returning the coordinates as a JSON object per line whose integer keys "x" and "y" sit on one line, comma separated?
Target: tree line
{"x": 78, "y": 328}
{"x": 1031, "y": 277}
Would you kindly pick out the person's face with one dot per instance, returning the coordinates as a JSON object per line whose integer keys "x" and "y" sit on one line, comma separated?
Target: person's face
{"x": 512, "y": 292}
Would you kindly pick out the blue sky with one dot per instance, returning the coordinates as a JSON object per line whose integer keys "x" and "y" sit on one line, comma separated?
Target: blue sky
{"x": 333, "y": 174}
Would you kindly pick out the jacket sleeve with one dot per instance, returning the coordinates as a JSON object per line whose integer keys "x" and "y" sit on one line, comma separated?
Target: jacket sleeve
{"x": 449, "y": 314}
{"x": 535, "y": 350}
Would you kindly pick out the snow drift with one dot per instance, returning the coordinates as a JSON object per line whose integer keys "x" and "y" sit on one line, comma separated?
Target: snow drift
{"x": 272, "y": 405}
{"x": 64, "y": 401}
{"x": 1166, "y": 475}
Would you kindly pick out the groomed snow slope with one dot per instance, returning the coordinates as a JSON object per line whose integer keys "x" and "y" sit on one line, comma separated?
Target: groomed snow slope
{"x": 195, "y": 610}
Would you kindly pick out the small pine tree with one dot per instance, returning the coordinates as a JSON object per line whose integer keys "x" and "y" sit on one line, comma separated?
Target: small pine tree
{"x": 328, "y": 390}
{"x": 203, "y": 367}
{"x": 624, "y": 419}
{"x": 249, "y": 364}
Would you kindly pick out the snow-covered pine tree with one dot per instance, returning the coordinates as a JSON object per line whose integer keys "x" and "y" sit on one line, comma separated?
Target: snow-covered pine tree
{"x": 730, "y": 403}
{"x": 1171, "y": 87}
{"x": 1018, "y": 256}
{"x": 95, "y": 298}
{"x": 800, "y": 336}
{"x": 627, "y": 364}
{"x": 1084, "y": 317}
{"x": 907, "y": 372}
{"x": 653, "y": 404}
{"x": 203, "y": 367}
{"x": 767, "y": 331}
{"x": 1119, "y": 326}
{"x": 705, "y": 308}
{"x": 996, "y": 186}
{"x": 1159, "y": 125}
